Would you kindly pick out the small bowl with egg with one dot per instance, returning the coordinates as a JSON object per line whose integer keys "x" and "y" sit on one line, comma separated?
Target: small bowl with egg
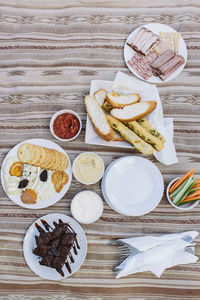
{"x": 88, "y": 168}
{"x": 87, "y": 207}
{"x": 65, "y": 125}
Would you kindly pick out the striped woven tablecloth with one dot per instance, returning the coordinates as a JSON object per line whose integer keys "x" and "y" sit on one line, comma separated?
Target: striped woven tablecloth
{"x": 49, "y": 53}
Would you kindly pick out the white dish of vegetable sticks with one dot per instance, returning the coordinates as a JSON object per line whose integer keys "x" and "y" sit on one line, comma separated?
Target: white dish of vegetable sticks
{"x": 184, "y": 189}
{"x": 156, "y": 28}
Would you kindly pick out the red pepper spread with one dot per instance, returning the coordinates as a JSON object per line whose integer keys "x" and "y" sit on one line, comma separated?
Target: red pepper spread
{"x": 66, "y": 126}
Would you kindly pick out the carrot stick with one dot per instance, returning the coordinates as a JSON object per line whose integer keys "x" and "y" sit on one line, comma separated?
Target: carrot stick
{"x": 198, "y": 181}
{"x": 192, "y": 196}
{"x": 180, "y": 180}
{"x": 191, "y": 199}
{"x": 196, "y": 192}
{"x": 196, "y": 185}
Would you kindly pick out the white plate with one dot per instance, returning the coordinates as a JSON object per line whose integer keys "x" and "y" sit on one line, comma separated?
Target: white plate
{"x": 132, "y": 186}
{"x": 55, "y": 196}
{"x": 30, "y": 244}
{"x": 155, "y": 28}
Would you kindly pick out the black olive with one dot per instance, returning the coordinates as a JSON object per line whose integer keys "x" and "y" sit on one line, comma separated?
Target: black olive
{"x": 43, "y": 176}
{"x": 23, "y": 183}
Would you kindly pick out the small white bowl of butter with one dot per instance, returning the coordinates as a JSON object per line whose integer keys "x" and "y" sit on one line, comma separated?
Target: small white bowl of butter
{"x": 88, "y": 168}
{"x": 87, "y": 207}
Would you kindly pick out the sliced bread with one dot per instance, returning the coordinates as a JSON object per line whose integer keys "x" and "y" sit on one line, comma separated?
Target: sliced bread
{"x": 122, "y": 100}
{"x": 134, "y": 111}
{"x": 113, "y": 93}
{"x": 147, "y": 125}
{"x": 145, "y": 135}
{"x": 129, "y": 136}
{"x": 98, "y": 119}
{"x": 100, "y": 96}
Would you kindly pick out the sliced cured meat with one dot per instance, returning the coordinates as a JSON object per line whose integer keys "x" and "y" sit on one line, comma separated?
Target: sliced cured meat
{"x": 172, "y": 69}
{"x": 162, "y": 59}
{"x": 135, "y": 39}
{"x": 141, "y": 64}
{"x": 149, "y": 44}
{"x": 171, "y": 64}
{"x": 160, "y": 47}
{"x": 143, "y": 41}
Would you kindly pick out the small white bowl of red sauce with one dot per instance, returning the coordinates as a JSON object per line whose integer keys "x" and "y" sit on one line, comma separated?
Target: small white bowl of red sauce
{"x": 65, "y": 125}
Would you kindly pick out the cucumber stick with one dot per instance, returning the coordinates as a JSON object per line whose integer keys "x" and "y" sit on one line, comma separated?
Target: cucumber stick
{"x": 178, "y": 189}
{"x": 184, "y": 189}
{"x": 185, "y": 194}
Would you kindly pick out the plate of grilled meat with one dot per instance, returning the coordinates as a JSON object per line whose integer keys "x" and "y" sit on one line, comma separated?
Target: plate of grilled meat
{"x": 55, "y": 246}
{"x": 155, "y": 52}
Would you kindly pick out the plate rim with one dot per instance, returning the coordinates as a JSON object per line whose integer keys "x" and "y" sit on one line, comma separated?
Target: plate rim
{"x": 32, "y": 226}
{"x": 104, "y": 189}
{"x": 69, "y": 173}
{"x": 154, "y": 81}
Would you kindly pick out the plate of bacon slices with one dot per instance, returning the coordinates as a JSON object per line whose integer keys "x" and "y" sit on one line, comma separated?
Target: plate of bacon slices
{"x": 155, "y": 53}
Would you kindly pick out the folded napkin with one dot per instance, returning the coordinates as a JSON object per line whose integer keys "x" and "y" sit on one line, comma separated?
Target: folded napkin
{"x": 155, "y": 254}
{"x": 125, "y": 84}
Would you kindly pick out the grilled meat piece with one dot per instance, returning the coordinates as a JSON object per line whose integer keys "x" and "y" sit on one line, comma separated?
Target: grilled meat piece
{"x": 55, "y": 246}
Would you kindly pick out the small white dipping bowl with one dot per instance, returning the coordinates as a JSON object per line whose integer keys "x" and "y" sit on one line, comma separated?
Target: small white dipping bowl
{"x": 101, "y": 161}
{"x": 183, "y": 207}
{"x": 87, "y": 207}
{"x": 60, "y": 112}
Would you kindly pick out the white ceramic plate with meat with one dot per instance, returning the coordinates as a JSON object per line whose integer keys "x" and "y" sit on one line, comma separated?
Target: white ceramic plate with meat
{"x": 132, "y": 186}
{"x": 53, "y": 196}
{"x": 156, "y": 28}
{"x": 33, "y": 260}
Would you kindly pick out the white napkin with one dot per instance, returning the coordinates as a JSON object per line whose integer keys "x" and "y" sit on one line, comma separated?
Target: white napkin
{"x": 143, "y": 243}
{"x": 125, "y": 84}
{"x": 158, "y": 253}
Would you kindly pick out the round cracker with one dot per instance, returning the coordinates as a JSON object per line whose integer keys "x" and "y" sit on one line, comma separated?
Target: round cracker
{"x": 26, "y": 153}
{"x": 47, "y": 159}
{"x": 51, "y": 165}
{"x": 58, "y": 160}
{"x": 37, "y": 154}
{"x": 42, "y": 157}
{"x": 63, "y": 163}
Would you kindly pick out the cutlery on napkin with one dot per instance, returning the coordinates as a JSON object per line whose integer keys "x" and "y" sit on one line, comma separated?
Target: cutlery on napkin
{"x": 156, "y": 254}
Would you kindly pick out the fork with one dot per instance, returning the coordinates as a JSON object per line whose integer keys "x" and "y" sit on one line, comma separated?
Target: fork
{"x": 126, "y": 249}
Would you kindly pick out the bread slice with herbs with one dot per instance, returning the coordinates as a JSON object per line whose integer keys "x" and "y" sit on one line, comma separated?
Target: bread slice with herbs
{"x": 129, "y": 136}
{"x": 100, "y": 96}
{"x": 98, "y": 119}
{"x": 145, "y": 135}
{"x": 134, "y": 111}
{"x": 147, "y": 125}
{"x": 122, "y": 100}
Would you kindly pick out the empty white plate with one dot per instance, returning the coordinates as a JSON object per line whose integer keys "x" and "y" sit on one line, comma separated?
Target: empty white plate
{"x": 132, "y": 186}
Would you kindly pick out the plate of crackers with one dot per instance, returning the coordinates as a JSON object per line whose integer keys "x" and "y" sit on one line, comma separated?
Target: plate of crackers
{"x": 36, "y": 173}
